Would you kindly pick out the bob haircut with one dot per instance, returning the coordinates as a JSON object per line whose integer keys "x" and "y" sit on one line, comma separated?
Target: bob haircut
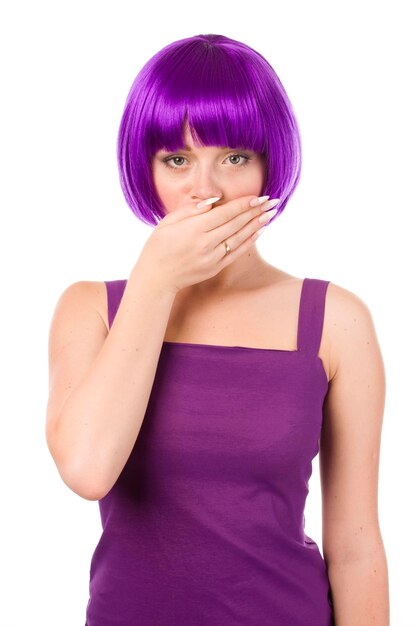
{"x": 228, "y": 94}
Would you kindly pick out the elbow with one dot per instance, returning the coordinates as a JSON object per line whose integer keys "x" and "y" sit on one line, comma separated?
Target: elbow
{"x": 73, "y": 475}
{"x": 79, "y": 484}
{"x": 83, "y": 489}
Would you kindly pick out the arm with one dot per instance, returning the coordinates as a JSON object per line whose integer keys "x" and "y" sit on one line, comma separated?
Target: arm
{"x": 100, "y": 382}
{"x": 349, "y": 462}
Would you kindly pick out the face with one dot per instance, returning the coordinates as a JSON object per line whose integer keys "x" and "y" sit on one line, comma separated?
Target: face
{"x": 189, "y": 176}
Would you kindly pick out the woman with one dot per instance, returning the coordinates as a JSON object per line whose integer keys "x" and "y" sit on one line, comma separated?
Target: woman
{"x": 191, "y": 398}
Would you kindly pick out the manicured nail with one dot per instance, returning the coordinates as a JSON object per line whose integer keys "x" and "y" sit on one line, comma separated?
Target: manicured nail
{"x": 265, "y": 217}
{"x": 204, "y": 203}
{"x": 258, "y": 201}
{"x": 271, "y": 203}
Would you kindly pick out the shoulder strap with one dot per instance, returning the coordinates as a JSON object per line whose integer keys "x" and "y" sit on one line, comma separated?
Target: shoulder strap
{"x": 115, "y": 290}
{"x": 311, "y": 315}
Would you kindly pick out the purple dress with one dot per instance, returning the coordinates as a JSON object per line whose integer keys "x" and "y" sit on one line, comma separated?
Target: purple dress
{"x": 205, "y": 524}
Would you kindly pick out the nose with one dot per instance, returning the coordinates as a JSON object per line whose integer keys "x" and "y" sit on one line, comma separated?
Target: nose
{"x": 205, "y": 184}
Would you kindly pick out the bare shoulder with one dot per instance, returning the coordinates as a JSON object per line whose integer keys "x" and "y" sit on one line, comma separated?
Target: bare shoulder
{"x": 340, "y": 300}
{"x": 84, "y": 295}
{"x": 348, "y": 325}
{"x": 345, "y": 309}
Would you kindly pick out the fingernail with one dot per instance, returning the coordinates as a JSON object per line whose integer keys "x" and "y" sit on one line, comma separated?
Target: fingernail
{"x": 258, "y": 201}
{"x": 271, "y": 203}
{"x": 203, "y": 203}
{"x": 265, "y": 217}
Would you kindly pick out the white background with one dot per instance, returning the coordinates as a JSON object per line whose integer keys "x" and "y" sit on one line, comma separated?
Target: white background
{"x": 66, "y": 70}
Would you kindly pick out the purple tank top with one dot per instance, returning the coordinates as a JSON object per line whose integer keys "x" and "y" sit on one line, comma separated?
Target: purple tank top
{"x": 205, "y": 524}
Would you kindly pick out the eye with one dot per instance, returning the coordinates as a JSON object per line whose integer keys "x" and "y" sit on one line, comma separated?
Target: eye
{"x": 240, "y": 156}
{"x": 175, "y": 165}
{"x": 167, "y": 160}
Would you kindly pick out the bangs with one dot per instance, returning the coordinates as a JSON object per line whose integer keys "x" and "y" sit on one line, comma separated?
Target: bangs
{"x": 213, "y": 96}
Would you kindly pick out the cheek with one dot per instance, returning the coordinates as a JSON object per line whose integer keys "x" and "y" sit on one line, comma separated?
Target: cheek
{"x": 159, "y": 180}
{"x": 250, "y": 180}
{"x": 166, "y": 188}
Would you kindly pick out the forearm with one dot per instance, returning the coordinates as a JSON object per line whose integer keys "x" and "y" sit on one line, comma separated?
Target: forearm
{"x": 360, "y": 590}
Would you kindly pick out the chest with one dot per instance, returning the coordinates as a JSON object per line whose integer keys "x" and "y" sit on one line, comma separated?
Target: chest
{"x": 264, "y": 318}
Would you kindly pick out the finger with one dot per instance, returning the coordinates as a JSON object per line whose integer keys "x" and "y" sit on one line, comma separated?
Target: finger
{"x": 190, "y": 209}
{"x": 243, "y": 237}
{"x": 223, "y": 213}
{"x": 225, "y": 259}
{"x": 243, "y": 225}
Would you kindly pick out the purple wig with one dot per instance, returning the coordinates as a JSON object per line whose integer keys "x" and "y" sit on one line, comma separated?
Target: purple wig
{"x": 228, "y": 94}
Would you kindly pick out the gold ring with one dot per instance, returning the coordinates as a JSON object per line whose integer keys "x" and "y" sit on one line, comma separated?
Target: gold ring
{"x": 228, "y": 250}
